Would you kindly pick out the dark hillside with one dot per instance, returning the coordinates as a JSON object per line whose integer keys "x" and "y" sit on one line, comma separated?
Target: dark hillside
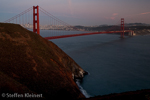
{"x": 30, "y": 63}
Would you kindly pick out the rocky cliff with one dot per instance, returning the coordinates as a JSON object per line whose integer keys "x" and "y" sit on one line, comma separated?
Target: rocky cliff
{"x": 31, "y": 64}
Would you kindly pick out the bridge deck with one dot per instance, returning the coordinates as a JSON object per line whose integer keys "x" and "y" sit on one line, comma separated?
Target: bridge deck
{"x": 82, "y": 34}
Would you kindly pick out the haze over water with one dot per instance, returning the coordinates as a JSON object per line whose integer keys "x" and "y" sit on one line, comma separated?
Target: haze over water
{"x": 115, "y": 65}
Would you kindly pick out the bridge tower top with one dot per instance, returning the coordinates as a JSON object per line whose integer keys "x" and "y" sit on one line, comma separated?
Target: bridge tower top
{"x": 36, "y": 23}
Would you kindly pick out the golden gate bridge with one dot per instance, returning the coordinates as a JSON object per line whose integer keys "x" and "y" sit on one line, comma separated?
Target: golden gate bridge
{"x": 30, "y": 19}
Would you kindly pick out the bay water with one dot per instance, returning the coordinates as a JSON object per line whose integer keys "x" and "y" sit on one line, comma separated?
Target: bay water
{"x": 114, "y": 65}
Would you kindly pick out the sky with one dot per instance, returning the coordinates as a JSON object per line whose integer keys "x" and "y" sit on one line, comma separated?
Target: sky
{"x": 83, "y": 12}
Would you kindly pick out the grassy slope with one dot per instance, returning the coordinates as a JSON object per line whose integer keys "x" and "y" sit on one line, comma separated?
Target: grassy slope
{"x": 39, "y": 65}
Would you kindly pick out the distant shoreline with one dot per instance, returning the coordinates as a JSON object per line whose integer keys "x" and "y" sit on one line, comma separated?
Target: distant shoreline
{"x": 130, "y": 95}
{"x": 142, "y": 32}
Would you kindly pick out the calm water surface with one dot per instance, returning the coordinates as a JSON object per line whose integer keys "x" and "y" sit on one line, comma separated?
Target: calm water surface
{"x": 115, "y": 65}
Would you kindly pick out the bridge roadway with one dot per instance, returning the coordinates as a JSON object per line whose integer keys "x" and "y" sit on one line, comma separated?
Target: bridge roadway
{"x": 82, "y": 34}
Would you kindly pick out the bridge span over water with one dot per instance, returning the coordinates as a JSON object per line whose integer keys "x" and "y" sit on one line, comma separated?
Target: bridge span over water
{"x": 26, "y": 20}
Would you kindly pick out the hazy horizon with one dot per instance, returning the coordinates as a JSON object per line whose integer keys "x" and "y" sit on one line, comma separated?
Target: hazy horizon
{"x": 86, "y": 13}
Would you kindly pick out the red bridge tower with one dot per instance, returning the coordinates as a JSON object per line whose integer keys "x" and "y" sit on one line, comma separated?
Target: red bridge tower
{"x": 122, "y": 27}
{"x": 36, "y": 26}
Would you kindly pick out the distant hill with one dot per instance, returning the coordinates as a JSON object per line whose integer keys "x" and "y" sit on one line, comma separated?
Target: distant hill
{"x": 31, "y": 64}
{"x": 136, "y": 24}
{"x": 128, "y": 26}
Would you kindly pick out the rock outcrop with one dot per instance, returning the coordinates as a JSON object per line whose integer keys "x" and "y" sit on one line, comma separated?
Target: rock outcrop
{"x": 31, "y": 64}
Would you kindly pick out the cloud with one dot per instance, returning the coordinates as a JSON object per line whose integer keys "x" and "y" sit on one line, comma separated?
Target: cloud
{"x": 145, "y": 13}
{"x": 138, "y": 14}
{"x": 113, "y": 16}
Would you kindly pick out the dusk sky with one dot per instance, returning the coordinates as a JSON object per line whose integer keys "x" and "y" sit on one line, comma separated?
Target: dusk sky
{"x": 83, "y": 12}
